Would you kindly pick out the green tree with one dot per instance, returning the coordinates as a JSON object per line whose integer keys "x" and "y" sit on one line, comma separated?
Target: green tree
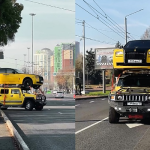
{"x": 94, "y": 75}
{"x": 10, "y": 19}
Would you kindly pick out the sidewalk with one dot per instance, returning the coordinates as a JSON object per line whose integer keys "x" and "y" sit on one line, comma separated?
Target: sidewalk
{"x": 6, "y": 140}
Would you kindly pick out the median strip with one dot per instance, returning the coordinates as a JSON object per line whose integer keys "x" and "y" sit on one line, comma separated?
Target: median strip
{"x": 91, "y": 125}
{"x": 22, "y": 145}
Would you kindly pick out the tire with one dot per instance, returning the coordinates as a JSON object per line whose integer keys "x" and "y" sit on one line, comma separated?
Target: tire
{"x": 27, "y": 82}
{"x": 113, "y": 116}
{"x": 38, "y": 107}
{"x": 36, "y": 86}
{"x": 3, "y": 108}
{"x": 29, "y": 105}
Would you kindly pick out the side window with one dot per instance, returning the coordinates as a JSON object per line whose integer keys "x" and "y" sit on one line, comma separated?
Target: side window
{"x": 10, "y": 70}
{"x": 6, "y": 91}
{"x": 2, "y": 70}
{"x": 15, "y": 91}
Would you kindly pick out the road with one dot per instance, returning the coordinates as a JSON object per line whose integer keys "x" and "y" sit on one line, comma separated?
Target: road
{"x": 94, "y": 132}
{"x": 50, "y": 129}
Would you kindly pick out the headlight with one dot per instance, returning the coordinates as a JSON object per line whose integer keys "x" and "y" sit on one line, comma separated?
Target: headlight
{"x": 37, "y": 77}
{"x": 113, "y": 97}
{"x": 148, "y": 97}
{"x": 149, "y": 52}
{"x": 119, "y": 98}
{"x": 119, "y": 53}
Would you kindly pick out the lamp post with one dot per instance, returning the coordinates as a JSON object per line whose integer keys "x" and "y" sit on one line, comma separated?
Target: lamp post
{"x": 32, "y": 39}
{"x": 126, "y": 22}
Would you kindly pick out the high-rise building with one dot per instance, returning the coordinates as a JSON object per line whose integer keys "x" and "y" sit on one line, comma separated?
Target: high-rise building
{"x": 42, "y": 64}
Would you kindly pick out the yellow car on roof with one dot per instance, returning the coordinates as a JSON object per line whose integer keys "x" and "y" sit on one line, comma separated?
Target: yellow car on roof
{"x": 14, "y": 76}
{"x": 134, "y": 55}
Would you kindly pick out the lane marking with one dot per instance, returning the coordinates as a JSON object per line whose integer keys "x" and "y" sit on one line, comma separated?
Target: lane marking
{"x": 103, "y": 99}
{"x": 134, "y": 125}
{"x": 77, "y": 105}
{"x": 59, "y": 112}
{"x": 91, "y": 125}
{"x": 91, "y": 102}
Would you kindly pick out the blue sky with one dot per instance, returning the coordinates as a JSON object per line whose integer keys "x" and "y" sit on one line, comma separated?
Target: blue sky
{"x": 51, "y": 26}
{"x": 117, "y": 10}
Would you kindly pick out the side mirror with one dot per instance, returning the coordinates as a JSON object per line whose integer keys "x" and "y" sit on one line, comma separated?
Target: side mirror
{"x": 13, "y": 72}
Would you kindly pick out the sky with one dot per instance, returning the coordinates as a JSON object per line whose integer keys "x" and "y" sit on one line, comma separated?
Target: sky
{"x": 51, "y": 26}
{"x": 112, "y": 13}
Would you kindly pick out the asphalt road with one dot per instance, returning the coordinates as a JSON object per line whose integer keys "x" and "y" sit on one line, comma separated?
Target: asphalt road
{"x": 52, "y": 128}
{"x": 94, "y": 132}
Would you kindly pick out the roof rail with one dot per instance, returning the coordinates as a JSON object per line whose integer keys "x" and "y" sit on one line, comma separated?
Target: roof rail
{"x": 11, "y": 85}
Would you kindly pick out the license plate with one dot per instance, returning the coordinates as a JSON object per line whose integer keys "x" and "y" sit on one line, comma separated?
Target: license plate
{"x": 134, "y": 103}
{"x": 134, "y": 61}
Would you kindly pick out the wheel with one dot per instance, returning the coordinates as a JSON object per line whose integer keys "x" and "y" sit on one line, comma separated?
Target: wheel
{"x": 38, "y": 107}
{"x": 113, "y": 116}
{"x": 2, "y": 108}
{"x": 27, "y": 82}
{"x": 36, "y": 86}
{"x": 29, "y": 105}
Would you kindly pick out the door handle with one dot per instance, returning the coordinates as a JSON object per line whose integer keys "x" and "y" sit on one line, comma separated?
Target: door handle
{"x": 11, "y": 95}
{"x": 0, "y": 95}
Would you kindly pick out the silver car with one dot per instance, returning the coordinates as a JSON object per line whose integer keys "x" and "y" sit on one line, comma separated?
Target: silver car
{"x": 59, "y": 94}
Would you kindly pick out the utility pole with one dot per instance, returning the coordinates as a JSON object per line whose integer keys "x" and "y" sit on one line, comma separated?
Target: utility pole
{"x": 16, "y": 63}
{"x": 83, "y": 57}
{"x": 28, "y": 57}
{"x": 126, "y": 29}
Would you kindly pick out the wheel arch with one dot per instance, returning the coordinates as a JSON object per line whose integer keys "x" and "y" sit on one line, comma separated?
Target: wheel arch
{"x": 28, "y": 99}
{"x": 27, "y": 78}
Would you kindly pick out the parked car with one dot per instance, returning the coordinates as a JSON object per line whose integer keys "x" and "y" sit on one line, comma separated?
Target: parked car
{"x": 59, "y": 94}
{"x": 15, "y": 76}
{"x": 54, "y": 92}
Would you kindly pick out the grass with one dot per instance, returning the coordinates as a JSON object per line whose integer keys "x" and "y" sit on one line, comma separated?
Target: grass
{"x": 100, "y": 93}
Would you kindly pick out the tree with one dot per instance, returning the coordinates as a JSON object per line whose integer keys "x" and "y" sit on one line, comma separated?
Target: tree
{"x": 94, "y": 75}
{"x": 146, "y": 35}
{"x": 10, "y": 19}
{"x": 118, "y": 45}
{"x": 79, "y": 65}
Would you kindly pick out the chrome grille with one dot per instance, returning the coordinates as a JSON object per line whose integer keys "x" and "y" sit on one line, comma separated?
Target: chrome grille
{"x": 134, "y": 97}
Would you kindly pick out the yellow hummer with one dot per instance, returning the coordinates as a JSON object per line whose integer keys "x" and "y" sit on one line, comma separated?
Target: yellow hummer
{"x": 130, "y": 97}
{"x": 14, "y": 96}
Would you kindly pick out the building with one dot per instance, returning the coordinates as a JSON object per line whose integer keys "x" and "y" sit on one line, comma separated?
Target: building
{"x": 42, "y": 64}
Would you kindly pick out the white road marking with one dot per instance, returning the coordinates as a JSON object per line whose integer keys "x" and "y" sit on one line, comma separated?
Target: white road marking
{"x": 91, "y": 125}
{"x": 59, "y": 112}
{"x": 91, "y": 102}
{"x": 132, "y": 125}
{"x": 103, "y": 99}
{"x": 77, "y": 105}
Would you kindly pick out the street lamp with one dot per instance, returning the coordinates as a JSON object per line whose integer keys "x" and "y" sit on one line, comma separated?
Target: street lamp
{"x": 32, "y": 39}
{"x": 126, "y": 23}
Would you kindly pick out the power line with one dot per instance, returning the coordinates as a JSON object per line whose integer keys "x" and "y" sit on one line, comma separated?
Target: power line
{"x": 95, "y": 40}
{"x": 104, "y": 17}
{"x": 50, "y": 5}
{"x": 99, "y": 20}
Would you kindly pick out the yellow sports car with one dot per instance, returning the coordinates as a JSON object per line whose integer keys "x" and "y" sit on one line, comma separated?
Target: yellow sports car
{"x": 14, "y": 76}
{"x": 135, "y": 54}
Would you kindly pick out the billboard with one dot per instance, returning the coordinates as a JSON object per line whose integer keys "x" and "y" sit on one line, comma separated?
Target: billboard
{"x": 104, "y": 58}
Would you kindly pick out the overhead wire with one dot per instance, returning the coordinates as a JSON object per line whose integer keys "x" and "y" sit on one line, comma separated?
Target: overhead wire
{"x": 99, "y": 20}
{"x": 50, "y": 5}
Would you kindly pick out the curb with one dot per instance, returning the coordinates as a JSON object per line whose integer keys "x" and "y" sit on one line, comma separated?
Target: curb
{"x": 84, "y": 98}
{"x": 22, "y": 145}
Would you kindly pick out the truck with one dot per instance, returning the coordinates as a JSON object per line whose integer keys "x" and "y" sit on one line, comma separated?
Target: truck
{"x": 130, "y": 94}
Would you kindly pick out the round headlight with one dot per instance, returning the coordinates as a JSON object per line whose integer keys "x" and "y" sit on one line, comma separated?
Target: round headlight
{"x": 148, "y": 97}
{"x": 120, "y": 97}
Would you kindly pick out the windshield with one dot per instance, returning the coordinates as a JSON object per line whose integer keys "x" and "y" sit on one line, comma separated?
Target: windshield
{"x": 132, "y": 81}
{"x": 144, "y": 44}
{"x": 19, "y": 71}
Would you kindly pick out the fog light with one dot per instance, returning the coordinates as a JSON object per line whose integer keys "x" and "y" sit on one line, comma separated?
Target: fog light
{"x": 119, "y": 108}
{"x": 116, "y": 108}
{"x": 148, "y": 109}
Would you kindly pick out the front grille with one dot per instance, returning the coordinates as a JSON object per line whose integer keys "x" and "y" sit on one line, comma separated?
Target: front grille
{"x": 135, "y": 98}
{"x": 135, "y": 55}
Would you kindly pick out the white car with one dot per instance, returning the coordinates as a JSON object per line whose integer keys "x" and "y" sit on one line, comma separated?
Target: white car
{"x": 59, "y": 94}
{"x": 54, "y": 92}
